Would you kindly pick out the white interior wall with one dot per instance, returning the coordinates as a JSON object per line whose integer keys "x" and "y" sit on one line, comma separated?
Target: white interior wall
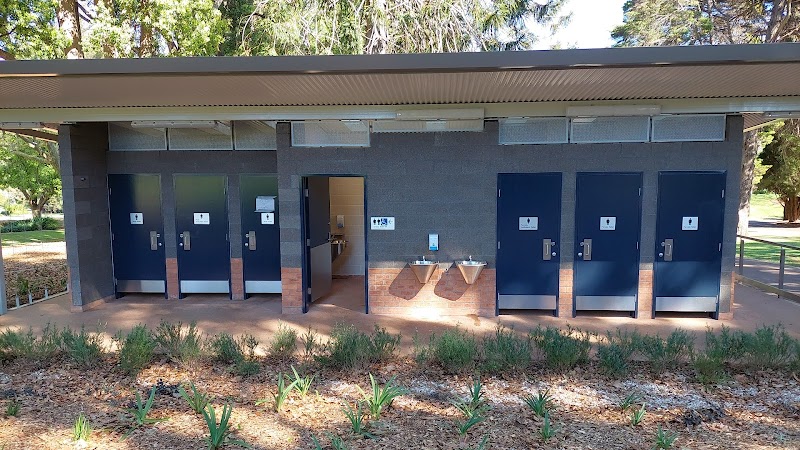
{"x": 347, "y": 198}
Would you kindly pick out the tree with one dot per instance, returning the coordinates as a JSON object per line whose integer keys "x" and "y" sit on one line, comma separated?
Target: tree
{"x": 782, "y": 155}
{"x": 692, "y": 22}
{"x": 26, "y": 165}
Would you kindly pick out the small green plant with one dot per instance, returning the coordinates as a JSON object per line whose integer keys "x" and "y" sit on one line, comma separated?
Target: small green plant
{"x": 303, "y": 383}
{"x": 615, "y": 355}
{"x": 139, "y": 413}
{"x": 726, "y": 346}
{"x": 357, "y": 419}
{"x": 12, "y": 408}
{"x": 541, "y": 403}
{"x": 505, "y": 351}
{"x": 630, "y": 400}
{"x": 638, "y": 415}
{"x": 135, "y": 349}
{"x": 336, "y": 442}
{"x": 84, "y": 348}
{"x": 768, "y": 347}
{"x": 463, "y": 426}
{"x": 349, "y": 348}
{"x": 667, "y": 353}
{"x": 481, "y": 445}
{"x": 281, "y": 394}
{"x": 81, "y": 429}
{"x": 18, "y": 344}
{"x": 547, "y": 430}
{"x": 476, "y": 405}
{"x": 381, "y": 397}
{"x": 181, "y": 344}
{"x": 664, "y": 439}
{"x": 310, "y": 341}
{"x": 709, "y": 368}
{"x": 455, "y": 350}
{"x": 384, "y": 344}
{"x": 196, "y": 400}
{"x": 284, "y": 343}
{"x": 226, "y": 349}
{"x": 219, "y": 434}
{"x": 562, "y": 350}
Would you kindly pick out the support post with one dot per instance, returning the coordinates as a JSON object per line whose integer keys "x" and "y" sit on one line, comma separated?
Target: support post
{"x": 741, "y": 256}
{"x": 3, "y": 307}
{"x": 782, "y": 269}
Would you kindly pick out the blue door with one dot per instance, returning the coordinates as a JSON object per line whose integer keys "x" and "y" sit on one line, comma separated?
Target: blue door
{"x": 607, "y": 227}
{"x": 528, "y": 226}
{"x": 261, "y": 235}
{"x": 201, "y": 219}
{"x": 137, "y": 230}
{"x": 691, "y": 209}
{"x": 318, "y": 267}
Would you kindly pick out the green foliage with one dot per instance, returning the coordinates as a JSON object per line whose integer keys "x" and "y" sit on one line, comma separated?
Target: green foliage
{"x": 638, "y": 415}
{"x": 547, "y": 430}
{"x": 82, "y": 347}
{"x": 284, "y": 342}
{"x": 16, "y": 344}
{"x": 540, "y": 404}
{"x": 135, "y": 349}
{"x": 196, "y": 400}
{"x": 463, "y": 426}
{"x": 336, "y": 442}
{"x": 381, "y": 397}
{"x": 219, "y": 434}
{"x": 349, "y": 348}
{"x": 139, "y": 413}
{"x": 455, "y": 350}
{"x": 28, "y": 30}
{"x": 662, "y": 22}
{"x": 34, "y": 224}
{"x": 281, "y": 393}
{"x": 709, "y": 369}
{"x": 505, "y": 351}
{"x": 667, "y": 353}
{"x": 769, "y": 347}
{"x": 181, "y": 344}
{"x": 726, "y": 346}
{"x": 562, "y": 350}
{"x": 12, "y": 408}
{"x": 782, "y": 156}
{"x": 476, "y": 404}
{"x": 239, "y": 352}
{"x": 357, "y": 419}
{"x": 310, "y": 341}
{"x": 81, "y": 429}
{"x": 630, "y": 400}
{"x": 615, "y": 355}
{"x": 27, "y": 166}
{"x": 302, "y": 384}
{"x": 664, "y": 439}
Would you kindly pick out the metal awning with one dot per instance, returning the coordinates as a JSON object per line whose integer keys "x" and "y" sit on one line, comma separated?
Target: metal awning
{"x": 767, "y": 71}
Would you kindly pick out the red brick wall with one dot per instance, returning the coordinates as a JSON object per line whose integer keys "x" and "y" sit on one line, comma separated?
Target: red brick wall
{"x": 729, "y": 315}
{"x": 645, "y": 294}
{"x": 565, "y": 293}
{"x": 237, "y": 279}
{"x": 398, "y": 292}
{"x": 292, "y": 290}
{"x": 172, "y": 278}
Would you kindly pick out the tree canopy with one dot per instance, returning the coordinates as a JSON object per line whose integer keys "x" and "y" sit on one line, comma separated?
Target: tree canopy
{"x": 782, "y": 177}
{"x": 27, "y": 166}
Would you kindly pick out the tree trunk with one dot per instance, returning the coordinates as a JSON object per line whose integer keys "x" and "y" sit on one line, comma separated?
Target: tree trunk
{"x": 69, "y": 22}
{"x": 749, "y": 154}
{"x": 36, "y": 208}
{"x": 791, "y": 209}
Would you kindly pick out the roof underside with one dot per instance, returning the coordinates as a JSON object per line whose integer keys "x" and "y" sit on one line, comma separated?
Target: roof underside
{"x": 513, "y": 77}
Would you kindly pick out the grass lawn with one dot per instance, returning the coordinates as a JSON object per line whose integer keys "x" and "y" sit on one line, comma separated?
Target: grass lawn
{"x": 765, "y": 207}
{"x": 32, "y": 237}
{"x": 766, "y": 252}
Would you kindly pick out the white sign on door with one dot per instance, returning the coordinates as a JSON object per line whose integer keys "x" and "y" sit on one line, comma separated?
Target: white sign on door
{"x": 137, "y": 218}
{"x": 267, "y": 218}
{"x": 689, "y": 224}
{"x": 608, "y": 223}
{"x": 202, "y": 218}
{"x": 528, "y": 223}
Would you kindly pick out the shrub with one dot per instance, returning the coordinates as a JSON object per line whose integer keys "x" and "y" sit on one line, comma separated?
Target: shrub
{"x": 667, "y": 353}
{"x": 505, "y": 351}
{"x": 310, "y": 341}
{"x": 181, "y": 344}
{"x": 18, "y": 344}
{"x": 727, "y": 346}
{"x": 349, "y": 348}
{"x": 562, "y": 350}
{"x": 284, "y": 342}
{"x": 239, "y": 352}
{"x": 35, "y": 224}
{"x": 455, "y": 350}
{"x": 615, "y": 355}
{"x": 384, "y": 344}
{"x": 84, "y": 348}
{"x": 768, "y": 347}
{"x": 136, "y": 349}
{"x": 709, "y": 368}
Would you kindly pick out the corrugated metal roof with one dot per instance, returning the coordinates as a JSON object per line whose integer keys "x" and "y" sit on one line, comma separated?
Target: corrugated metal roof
{"x": 510, "y": 77}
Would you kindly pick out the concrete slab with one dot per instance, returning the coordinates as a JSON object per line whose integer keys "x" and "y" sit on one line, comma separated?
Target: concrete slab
{"x": 260, "y": 316}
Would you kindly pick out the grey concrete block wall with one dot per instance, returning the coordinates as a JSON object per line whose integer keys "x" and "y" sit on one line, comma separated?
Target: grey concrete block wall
{"x": 446, "y": 183}
{"x": 83, "y": 149}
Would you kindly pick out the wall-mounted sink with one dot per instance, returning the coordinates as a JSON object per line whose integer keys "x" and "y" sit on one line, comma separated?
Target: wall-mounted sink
{"x": 423, "y": 269}
{"x": 338, "y": 245}
{"x": 470, "y": 269}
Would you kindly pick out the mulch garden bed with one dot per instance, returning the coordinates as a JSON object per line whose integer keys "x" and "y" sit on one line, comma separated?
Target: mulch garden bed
{"x": 34, "y": 272}
{"x": 759, "y": 410}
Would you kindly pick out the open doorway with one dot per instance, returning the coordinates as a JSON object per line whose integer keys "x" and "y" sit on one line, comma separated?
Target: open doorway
{"x": 334, "y": 231}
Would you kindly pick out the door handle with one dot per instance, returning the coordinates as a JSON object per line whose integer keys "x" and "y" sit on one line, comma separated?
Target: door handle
{"x": 668, "y": 247}
{"x": 186, "y": 241}
{"x": 587, "y": 250}
{"x": 547, "y": 250}
{"x": 154, "y": 240}
{"x": 251, "y": 241}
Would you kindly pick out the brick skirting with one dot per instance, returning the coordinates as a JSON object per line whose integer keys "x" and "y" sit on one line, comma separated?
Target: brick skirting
{"x": 291, "y": 290}
{"x": 645, "y": 294}
{"x": 398, "y": 292}
{"x": 173, "y": 286}
{"x": 237, "y": 279}
{"x": 565, "y": 293}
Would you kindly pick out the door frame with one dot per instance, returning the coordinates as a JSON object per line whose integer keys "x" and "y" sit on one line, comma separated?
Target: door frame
{"x": 277, "y": 223}
{"x": 306, "y": 253}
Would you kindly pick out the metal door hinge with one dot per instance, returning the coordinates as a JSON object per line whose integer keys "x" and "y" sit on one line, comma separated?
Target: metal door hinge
{"x": 305, "y": 192}
{"x": 719, "y": 249}
{"x": 308, "y": 291}
{"x": 498, "y": 193}
{"x": 723, "y": 193}
{"x": 640, "y": 192}
{"x": 308, "y": 242}
{"x": 112, "y": 236}
{"x": 637, "y": 246}
{"x": 498, "y": 245}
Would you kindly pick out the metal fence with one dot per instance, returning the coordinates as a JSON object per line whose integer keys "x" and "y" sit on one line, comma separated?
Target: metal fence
{"x": 33, "y": 273}
{"x": 766, "y": 275}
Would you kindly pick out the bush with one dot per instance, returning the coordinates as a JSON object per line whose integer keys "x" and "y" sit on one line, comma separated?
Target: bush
{"x": 16, "y": 344}
{"x": 667, "y": 353}
{"x": 726, "y": 346}
{"x": 284, "y": 343}
{"x": 180, "y": 344}
{"x": 709, "y": 369}
{"x": 768, "y": 347}
{"x": 239, "y": 352}
{"x": 562, "y": 350}
{"x": 506, "y": 351}
{"x": 82, "y": 347}
{"x": 455, "y": 350}
{"x": 135, "y": 349}
{"x": 615, "y": 355}
{"x": 35, "y": 224}
{"x": 349, "y": 348}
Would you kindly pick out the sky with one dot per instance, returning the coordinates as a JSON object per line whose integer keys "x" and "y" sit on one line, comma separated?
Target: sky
{"x": 590, "y": 27}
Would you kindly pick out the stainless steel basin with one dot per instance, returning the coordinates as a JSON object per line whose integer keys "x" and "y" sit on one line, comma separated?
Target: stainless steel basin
{"x": 338, "y": 245}
{"x": 423, "y": 269}
{"x": 470, "y": 269}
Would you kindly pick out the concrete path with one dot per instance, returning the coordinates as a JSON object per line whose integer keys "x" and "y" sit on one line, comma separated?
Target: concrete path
{"x": 767, "y": 273}
{"x": 261, "y": 316}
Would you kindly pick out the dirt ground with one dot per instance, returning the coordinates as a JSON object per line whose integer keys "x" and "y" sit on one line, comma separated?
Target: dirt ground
{"x": 758, "y": 410}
